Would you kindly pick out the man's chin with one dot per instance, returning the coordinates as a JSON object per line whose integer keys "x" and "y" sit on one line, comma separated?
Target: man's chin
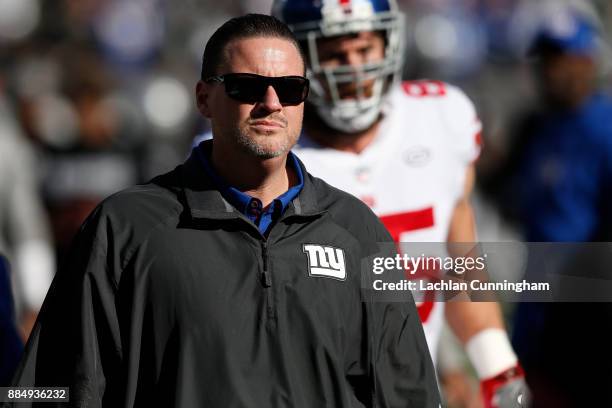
{"x": 265, "y": 149}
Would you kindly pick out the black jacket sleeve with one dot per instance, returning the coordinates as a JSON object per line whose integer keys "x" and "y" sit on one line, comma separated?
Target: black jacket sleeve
{"x": 75, "y": 342}
{"x": 400, "y": 365}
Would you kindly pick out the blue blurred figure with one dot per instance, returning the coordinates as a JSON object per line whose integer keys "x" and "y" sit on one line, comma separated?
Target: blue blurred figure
{"x": 558, "y": 184}
{"x": 560, "y": 169}
{"x": 11, "y": 346}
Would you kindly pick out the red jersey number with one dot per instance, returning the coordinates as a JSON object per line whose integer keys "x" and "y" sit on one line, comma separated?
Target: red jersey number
{"x": 421, "y": 89}
{"x": 407, "y": 221}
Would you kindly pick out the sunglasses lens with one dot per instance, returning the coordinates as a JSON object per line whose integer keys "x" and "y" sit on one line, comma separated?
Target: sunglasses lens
{"x": 291, "y": 90}
{"x": 250, "y": 88}
{"x": 246, "y": 89}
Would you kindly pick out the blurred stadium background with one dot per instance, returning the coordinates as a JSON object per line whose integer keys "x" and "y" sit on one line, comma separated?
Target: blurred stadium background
{"x": 97, "y": 95}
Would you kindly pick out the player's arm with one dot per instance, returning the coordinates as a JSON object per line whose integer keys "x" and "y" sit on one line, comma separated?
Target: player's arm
{"x": 468, "y": 318}
{"x": 479, "y": 325}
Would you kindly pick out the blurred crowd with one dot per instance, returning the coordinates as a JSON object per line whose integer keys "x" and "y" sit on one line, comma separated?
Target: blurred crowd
{"x": 97, "y": 95}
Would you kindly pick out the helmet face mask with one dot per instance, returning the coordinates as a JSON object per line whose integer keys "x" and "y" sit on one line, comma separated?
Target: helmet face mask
{"x": 347, "y": 97}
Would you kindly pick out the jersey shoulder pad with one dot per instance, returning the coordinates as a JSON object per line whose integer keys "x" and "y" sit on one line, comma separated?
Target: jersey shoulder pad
{"x": 454, "y": 109}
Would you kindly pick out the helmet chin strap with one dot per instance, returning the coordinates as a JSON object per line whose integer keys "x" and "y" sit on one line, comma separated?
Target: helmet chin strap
{"x": 347, "y": 120}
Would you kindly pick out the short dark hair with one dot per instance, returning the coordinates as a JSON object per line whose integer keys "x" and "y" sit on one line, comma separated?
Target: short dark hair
{"x": 247, "y": 26}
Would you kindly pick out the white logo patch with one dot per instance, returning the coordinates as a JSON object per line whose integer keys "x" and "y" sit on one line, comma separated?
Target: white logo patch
{"x": 325, "y": 261}
{"x": 417, "y": 156}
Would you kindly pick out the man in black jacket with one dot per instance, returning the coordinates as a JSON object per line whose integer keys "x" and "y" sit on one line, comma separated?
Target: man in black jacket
{"x": 236, "y": 280}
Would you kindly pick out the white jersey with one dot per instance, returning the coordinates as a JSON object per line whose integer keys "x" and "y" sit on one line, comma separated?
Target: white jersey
{"x": 413, "y": 173}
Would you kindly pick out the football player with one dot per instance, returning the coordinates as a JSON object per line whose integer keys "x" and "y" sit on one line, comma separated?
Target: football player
{"x": 407, "y": 149}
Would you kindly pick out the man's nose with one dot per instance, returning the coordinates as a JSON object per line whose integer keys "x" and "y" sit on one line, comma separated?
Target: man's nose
{"x": 270, "y": 101}
{"x": 353, "y": 58}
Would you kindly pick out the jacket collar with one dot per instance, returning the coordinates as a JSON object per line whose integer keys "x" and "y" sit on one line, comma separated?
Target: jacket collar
{"x": 205, "y": 201}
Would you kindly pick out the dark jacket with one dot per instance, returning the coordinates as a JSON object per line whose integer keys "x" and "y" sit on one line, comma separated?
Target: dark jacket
{"x": 174, "y": 299}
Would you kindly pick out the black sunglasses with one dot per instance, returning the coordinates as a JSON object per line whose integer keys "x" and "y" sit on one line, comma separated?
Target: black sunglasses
{"x": 251, "y": 88}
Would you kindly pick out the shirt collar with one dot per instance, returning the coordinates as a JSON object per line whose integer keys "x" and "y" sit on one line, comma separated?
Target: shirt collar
{"x": 237, "y": 198}
{"x": 293, "y": 192}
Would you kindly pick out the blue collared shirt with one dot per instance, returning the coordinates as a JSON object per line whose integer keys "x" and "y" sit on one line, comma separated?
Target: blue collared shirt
{"x": 252, "y": 207}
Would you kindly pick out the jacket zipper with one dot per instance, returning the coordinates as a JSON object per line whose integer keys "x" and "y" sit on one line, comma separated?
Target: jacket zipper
{"x": 266, "y": 282}
{"x": 266, "y": 279}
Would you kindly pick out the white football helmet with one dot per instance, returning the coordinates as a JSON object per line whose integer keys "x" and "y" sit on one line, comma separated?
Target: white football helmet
{"x": 311, "y": 20}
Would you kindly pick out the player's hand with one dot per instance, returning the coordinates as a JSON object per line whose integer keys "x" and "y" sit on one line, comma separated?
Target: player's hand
{"x": 506, "y": 390}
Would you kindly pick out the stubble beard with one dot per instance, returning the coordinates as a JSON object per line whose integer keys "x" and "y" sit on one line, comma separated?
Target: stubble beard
{"x": 264, "y": 146}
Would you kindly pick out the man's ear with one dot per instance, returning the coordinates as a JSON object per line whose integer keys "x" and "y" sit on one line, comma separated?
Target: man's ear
{"x": 202, "y": 98}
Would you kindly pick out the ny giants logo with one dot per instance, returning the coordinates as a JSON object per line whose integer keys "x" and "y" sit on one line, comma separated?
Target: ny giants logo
{"x": 325, "y": 261}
